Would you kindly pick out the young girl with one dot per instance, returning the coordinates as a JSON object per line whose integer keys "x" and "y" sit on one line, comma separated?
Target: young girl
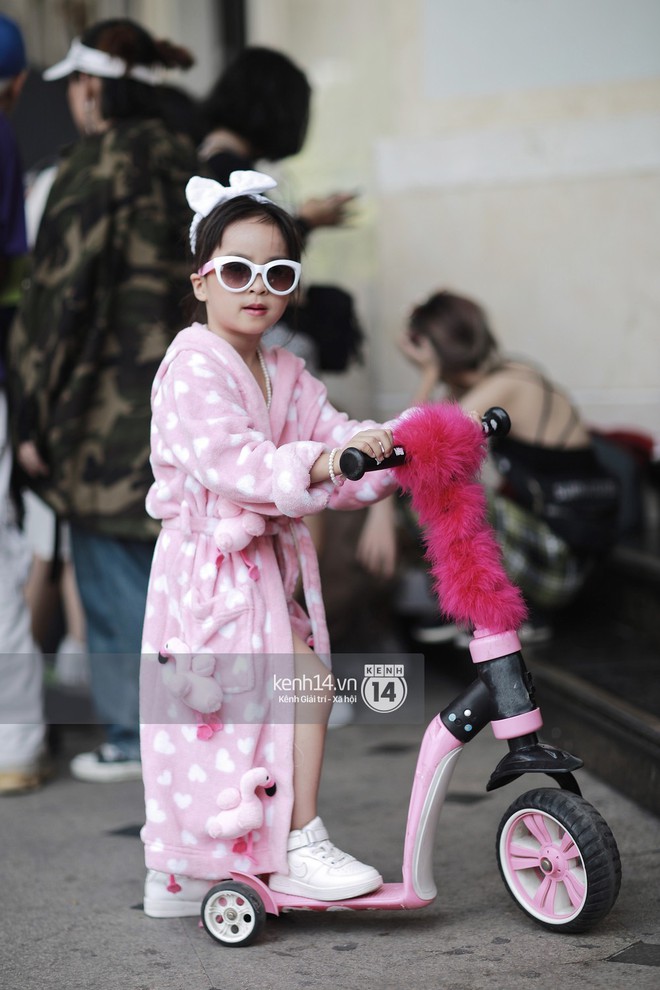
{"x": 244, "y": 444}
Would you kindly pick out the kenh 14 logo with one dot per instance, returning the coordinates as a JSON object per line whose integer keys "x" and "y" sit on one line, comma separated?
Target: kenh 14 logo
{"x": 384, "y": 687}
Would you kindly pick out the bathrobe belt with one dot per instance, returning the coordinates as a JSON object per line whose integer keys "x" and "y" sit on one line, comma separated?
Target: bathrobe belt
{"x": 301, "y": 554}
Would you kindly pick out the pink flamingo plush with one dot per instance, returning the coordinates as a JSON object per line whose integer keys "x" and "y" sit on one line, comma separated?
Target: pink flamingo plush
{"x": 242, "y": 809}
{"x": 190, "y": 676}
{"x": 235, "y": 530}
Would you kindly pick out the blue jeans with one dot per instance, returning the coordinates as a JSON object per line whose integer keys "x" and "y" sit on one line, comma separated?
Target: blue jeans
{"x": 112, "y": 576}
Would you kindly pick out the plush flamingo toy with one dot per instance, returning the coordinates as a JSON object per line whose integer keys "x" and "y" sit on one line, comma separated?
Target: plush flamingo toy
{"x": 445, "y": 449}
{"x": 242, "y": 810}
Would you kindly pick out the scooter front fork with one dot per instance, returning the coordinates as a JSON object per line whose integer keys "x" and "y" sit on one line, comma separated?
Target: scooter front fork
{"x": 503, "y": 694}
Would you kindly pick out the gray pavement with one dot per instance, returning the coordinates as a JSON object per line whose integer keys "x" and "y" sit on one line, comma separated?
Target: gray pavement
{"x": 71, "y": 889}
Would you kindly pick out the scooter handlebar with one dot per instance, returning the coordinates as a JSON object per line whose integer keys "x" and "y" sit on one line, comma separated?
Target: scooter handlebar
{"x": 495, "y": 422}
{"x": 353, "y": 463}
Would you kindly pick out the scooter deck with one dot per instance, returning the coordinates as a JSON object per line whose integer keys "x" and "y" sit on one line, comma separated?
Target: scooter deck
{"x": 388, "y": 897}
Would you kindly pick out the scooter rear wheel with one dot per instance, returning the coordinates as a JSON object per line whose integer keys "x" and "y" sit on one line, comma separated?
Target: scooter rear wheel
{"x": 558, "y": 859}
{"x": 233, "y": 913}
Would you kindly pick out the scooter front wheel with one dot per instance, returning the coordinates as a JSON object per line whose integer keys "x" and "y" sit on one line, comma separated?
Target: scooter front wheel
{"x": 558, "y": 859}
{"x": 233, "y": 913}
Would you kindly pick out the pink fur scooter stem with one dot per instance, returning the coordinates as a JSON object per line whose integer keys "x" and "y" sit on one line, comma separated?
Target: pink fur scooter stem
{"x": 445, "y": 450}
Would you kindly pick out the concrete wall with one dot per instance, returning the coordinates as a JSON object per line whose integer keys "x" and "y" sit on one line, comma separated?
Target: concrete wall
{"x": 508, "y": 151}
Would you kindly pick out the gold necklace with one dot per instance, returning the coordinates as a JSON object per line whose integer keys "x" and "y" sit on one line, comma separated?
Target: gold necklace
{"x": 264, "y": 371}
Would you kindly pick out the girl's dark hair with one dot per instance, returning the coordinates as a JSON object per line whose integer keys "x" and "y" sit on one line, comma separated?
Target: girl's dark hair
{"x": 458, "y": 330}
{"x": 264, "y": 98}
{"x": 125, "y": 97}
{"x": 211, "y": 229}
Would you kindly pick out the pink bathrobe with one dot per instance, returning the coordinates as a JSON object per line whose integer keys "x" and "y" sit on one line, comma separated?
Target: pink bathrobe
{"x": 231, "y": 485}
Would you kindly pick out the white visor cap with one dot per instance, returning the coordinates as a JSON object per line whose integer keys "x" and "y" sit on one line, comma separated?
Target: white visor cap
{"x": 94, "y": 62}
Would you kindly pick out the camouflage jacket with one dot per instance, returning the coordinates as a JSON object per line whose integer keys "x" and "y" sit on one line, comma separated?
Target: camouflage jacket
{"x": 101, "y": 306}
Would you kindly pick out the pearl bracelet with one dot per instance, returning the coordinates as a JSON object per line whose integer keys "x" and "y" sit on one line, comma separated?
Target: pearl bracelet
{"x": 331, "y": 468}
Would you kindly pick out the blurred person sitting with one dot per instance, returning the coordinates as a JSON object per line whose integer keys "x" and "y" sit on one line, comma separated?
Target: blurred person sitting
{"x": 108, "y": 275}
{"x": 22, "y": 728}
{"x": 553, "y": 506}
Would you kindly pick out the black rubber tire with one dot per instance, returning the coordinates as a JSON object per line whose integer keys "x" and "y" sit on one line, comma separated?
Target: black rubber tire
{"x": 247, "y": 915}
{"x": 565, "y": 872}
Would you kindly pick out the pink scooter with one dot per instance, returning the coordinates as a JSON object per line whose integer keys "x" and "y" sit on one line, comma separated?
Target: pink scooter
{"x": 556, "y": 854}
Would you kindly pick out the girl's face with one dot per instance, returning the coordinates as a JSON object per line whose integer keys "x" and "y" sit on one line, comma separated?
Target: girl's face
{"x": 242, "y": 317}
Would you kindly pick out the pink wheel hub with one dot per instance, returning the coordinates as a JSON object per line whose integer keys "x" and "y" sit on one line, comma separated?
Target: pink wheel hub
{"x": 545, "y": 866}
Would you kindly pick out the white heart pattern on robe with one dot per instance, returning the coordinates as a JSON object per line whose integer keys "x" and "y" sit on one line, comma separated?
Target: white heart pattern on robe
{"x": 177, "y": 865}
{"x": 224, "y": 762}
{"x": 154, "y": 812}
{"x": 163, "y": 744}
{"x": 197, "y": 774}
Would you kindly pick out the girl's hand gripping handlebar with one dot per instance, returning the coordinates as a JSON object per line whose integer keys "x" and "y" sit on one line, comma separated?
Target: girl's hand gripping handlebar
{"x": 354, "y": 463}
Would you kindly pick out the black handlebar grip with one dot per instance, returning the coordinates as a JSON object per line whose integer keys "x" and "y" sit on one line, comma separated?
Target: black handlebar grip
{"x": 353, "y": 463}
{"x": 495, "y": 422}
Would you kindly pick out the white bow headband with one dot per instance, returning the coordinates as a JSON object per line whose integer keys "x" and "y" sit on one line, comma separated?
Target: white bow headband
{"x": 204, "y": 195}
{"x": 94, "y": 62}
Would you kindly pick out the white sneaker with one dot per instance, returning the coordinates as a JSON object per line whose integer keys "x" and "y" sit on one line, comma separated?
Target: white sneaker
{"x": 170, "y": 896}
{"x": 107, "y": 764}
{"x": 319, "y": 870}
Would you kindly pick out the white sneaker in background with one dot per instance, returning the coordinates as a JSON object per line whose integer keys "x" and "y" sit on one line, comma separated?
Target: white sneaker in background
{"x": 107, "y": 764}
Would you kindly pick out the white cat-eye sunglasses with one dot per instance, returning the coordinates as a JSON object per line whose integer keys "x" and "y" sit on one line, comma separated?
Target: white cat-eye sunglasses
{"x": 237, "y": 274}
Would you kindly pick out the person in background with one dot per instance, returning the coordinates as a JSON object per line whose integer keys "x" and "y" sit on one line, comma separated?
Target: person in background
{"x": 107, "y": 280}
{"x": 259, "y": 109}
{"x": 22, "y": 728}
{"x": 553, "y": 506}
{"x": 58, "y": 621}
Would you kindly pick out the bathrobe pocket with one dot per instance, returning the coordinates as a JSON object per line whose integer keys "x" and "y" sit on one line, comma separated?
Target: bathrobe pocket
{"x": 225, "y": 625}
